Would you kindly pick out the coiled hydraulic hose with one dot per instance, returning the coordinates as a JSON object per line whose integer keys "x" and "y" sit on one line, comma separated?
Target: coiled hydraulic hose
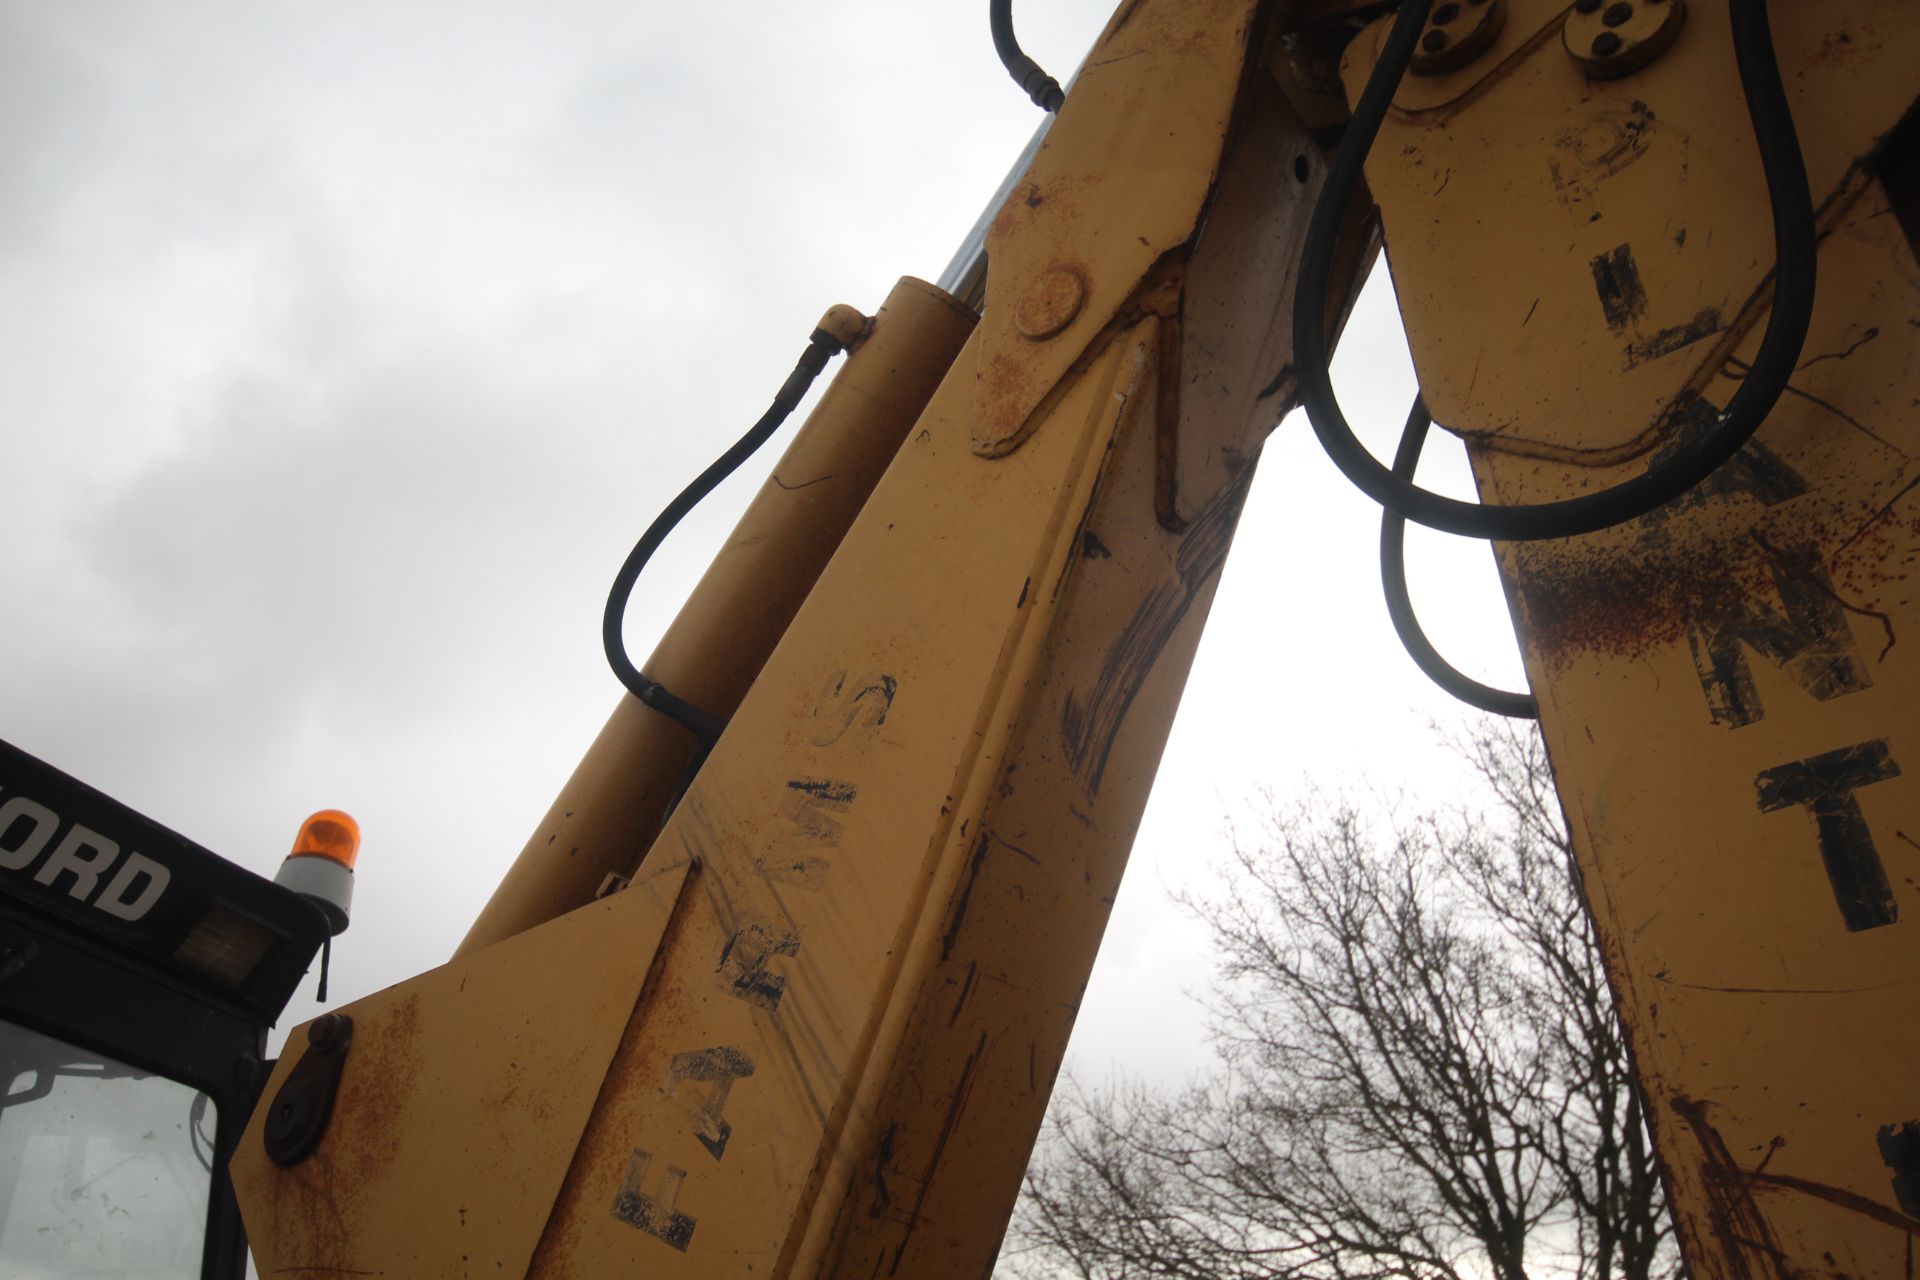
{"x": 705, "y": 725}
{"x": 1393, "y": 579}
{"x": 1794, "y": 271}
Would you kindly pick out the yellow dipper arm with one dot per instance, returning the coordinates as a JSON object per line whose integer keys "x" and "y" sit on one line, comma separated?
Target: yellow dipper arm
{"x": 816, "y": 1031}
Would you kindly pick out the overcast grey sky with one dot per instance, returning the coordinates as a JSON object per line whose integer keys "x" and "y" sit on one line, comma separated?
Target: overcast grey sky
{"x": 350, "y": 345}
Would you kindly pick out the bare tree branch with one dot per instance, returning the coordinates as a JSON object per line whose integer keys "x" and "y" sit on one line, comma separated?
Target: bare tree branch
{"x": 1420, "y": 1075}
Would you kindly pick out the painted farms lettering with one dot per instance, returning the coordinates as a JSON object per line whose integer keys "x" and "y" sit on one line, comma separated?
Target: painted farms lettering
{"x": 797, "y": 853}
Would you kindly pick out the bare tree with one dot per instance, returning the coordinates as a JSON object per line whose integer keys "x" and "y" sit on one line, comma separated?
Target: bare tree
{"x": 1419, "y": 1071}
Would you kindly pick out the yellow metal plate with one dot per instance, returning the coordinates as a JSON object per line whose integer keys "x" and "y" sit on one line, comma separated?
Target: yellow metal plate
{"x": 464, "y": 1093}
{"x": 1534, "y": 214}
{"x": 1083, "y": 214}
{"x": 822, "y": 821}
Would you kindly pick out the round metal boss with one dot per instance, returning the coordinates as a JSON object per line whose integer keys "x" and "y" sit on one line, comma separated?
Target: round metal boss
{"x": 1458, "y": 31}
{"x": 1608, "y": 39}
{"x": 1050, "y": 304}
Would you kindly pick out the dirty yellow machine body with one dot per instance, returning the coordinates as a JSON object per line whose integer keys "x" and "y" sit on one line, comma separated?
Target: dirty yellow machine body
{"x": 797, "y": 1011}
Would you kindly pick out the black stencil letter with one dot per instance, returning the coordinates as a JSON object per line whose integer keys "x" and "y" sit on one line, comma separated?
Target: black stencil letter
{"x": 1824, "y": 786}
{"x": 716, "y": 1068}
{"x": 654, "y": 1214}
{"x": 1900, "y": 1150}
{"x": 744, "y": 960}
{"x": 812, "y": 823}
{"x": 845, "y": 699}
{"x": 1808, "y": 639}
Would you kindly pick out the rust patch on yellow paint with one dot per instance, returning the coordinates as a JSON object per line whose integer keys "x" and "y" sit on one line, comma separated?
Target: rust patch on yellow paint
{"x": 383, "y": 1082}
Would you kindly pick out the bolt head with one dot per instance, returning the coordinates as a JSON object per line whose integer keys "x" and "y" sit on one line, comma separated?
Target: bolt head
{"x": 292, "y": 1111}
{"x": 325, "y": 1031}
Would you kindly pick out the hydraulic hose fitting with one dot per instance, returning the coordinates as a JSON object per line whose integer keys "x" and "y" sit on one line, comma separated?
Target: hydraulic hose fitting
{"x": 843, "y": 325}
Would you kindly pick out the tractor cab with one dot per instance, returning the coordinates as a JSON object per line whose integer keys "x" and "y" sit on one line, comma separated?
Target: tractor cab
{"x": 139, "y": 973}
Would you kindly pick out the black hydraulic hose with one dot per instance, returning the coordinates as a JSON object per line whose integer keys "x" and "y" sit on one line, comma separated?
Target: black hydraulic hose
{"x": 1393, "y": 578}
{"x": 1795, "y": 249}
{"x": 1035, "y": 83}
{"x": 705, "y": 725}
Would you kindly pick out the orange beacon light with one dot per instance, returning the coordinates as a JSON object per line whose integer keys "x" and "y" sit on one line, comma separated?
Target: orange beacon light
{"x": 321, "y": 864}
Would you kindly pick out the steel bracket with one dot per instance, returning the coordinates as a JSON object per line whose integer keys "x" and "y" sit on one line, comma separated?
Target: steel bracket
{"x": 297, "y": 1119}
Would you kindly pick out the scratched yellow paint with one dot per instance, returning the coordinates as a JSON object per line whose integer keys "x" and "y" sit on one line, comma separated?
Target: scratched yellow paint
{"x": 464, "y": 1093}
